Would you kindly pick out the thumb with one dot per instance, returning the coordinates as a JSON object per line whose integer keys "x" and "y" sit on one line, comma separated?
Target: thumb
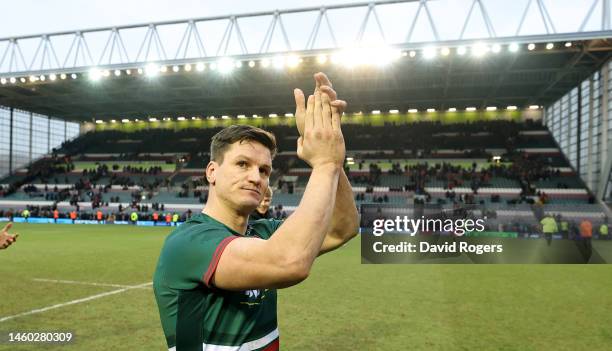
{"x": 300, "y": 147}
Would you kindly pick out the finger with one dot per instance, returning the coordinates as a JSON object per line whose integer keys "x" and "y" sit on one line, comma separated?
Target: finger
{"x": 321, "y": 79}
{"x": 329, "y": 91}
{"x": 340, "y": 105}
{"x": 7, "y": 227}
{"x": 300, "y": 101}
{"x": 318, "y": 113}
{"x": 335, "y": 118}
{"x": 309, "y": 123}
{"x": 326, "y": 111}
{"x": 300, "y": 110}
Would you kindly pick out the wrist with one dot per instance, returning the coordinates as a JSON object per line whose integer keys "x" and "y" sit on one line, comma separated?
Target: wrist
{"x": 327, "y": 167}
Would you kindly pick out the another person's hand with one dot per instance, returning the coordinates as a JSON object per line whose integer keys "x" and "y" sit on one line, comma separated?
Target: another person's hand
{"x": 323, "y": 84}
{"x": 7, "y": 239}
{"x": 322, "y": 143}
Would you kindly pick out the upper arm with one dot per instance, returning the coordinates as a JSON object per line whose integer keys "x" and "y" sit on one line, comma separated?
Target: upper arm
{"x": 252, "y": 263}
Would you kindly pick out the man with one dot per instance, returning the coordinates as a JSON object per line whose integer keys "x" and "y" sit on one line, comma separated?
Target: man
{"x": 7, "y": 239}
{"x": 549, "y": 227}
{"x": 586, "y": 233}
{"x": 216, "y": 277}
{"x": 603, "y": 231}
{"x": 263, "y": 210}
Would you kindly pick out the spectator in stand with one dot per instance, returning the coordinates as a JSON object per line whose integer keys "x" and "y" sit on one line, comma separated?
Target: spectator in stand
{"x": 134, "y": 217}
{"x": 99, "y": 216}
{"x": 155, "y": 217}
{"x": 168, "y": 218}
{"x": 55, "y": 215}
{"x": 175, "y": 218}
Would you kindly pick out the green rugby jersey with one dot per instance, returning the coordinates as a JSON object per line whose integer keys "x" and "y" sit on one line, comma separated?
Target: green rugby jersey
{"x": 194, "y": 314}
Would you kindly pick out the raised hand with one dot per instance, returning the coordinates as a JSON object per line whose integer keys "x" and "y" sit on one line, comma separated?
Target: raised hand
{"x": 322, "y": 142}
{"x": 323, "y": 84}
{"x": 7, "y": 239}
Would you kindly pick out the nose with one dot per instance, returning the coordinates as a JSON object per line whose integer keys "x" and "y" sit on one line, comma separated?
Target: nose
{"x": 254, "y": 176}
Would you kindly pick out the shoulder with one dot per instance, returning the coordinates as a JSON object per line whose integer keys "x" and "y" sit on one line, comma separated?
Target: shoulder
{"x": 265, "y": 227}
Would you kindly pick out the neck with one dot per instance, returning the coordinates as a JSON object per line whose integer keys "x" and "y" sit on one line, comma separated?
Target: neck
{"x": 231, "y": 218}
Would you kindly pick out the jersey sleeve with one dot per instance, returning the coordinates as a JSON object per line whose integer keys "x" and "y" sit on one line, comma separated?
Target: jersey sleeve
{"x": 192, "y": 257}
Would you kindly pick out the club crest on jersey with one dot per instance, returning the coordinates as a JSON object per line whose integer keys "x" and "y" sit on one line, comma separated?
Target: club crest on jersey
{"x": 252, "y": 294}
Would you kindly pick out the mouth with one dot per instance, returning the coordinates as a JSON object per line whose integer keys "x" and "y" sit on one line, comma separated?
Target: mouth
{"x": 253, "y": 191}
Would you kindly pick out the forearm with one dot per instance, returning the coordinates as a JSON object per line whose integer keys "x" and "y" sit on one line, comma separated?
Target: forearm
{"x": 345, "y": 218}
{"x": 303, "y": 232}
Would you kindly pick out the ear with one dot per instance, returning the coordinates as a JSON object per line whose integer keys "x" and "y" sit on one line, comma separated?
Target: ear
{"x": 211, "y": 170}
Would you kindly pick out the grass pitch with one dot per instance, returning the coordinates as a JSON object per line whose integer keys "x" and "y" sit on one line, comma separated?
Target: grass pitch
{"x": 343, "y": 305}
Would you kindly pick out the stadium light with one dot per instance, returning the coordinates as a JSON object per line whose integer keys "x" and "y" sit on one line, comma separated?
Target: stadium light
{"x": 33, "y": 79}
{"x": 430, "y": 52}
{"x": 213, "y": 66}
{"x": 73, "y": 76}
{"x": 2, "y": 81}
{"x": 495, "y": 48}
{"x": 200, "y": 66}
{"x": 225, "y": 117}
{"x": 273, "y": 115}
{"x": 128, "y": 72}
{"x": 63, "y": 76}
{"x": 164, "y": 69}
{"x": 431, "y": 110}
{"x": 125, "y": 120}
{"x": 187, "y": 68}
{"x": 531, "y": 46}
{"x": 255, "y": 116}
{"x": 394, "y": 112}
{"x": 550, "y": 46}
{"x": 22, "y": 79}
{"x": 13, "y": 80}
{"x": 52, "y": 76}
{"x": 113, "y": 121}
{"x": 211, "y": 117}
{"x": 568, "y": 44}
{"x": 238, "y": 64}
{"x": 180, "y": 118}
{"x": 376, "y": 112}
{"x": 95, "y": 74}
{"x": 152, "y": 69}
{"x": 289, "y": 114}
{"x": 175, "y": 68}
{"x": 413, "y": 110}
{"x": 470, "y": 109}
{"x": 452, "y": 109}
{"x": 292, "y": 61}
{"x": 491, "y": 108}
{"x": 479, "y": 49}
{"x": 99, "y": 121}
{"x": 412, "y": 53}
{"x": 117, "y": 73}
{"x": 534, "y": 107}
{"x": 265, "y": 63}
{"x": 241, "y": 116}
{"x": 322, "y": 59}
{"x": 42, "y": 77}
{"x": 445, "y": 51}
{"x": 251, "y": 63}
{"x": 511, "y": 108}
{"x": 513, "y": 47}
{"x": 152, "y": 119}
{"x": 225, "y": 65}
{"x": 461, "y": 50}
{"x": 137, "y": 120}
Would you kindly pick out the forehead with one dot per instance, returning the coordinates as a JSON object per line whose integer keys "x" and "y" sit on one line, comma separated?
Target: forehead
{"x": 252, "y": 150}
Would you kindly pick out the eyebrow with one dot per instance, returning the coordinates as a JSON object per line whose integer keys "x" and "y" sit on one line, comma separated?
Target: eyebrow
{"x": 245, "y": 157}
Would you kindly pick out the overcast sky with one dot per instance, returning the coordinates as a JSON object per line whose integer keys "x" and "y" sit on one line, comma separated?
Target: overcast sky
{"x": 37, "y": 16}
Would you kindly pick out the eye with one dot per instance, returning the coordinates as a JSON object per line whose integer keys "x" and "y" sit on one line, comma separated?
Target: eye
{"x": 241, "y": 164}
{"x": 264, "y": 171}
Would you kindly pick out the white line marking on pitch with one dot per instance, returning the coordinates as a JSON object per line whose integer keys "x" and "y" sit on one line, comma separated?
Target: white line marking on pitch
{"x": 73, "y": 302}
{"x": 82, "y": 283}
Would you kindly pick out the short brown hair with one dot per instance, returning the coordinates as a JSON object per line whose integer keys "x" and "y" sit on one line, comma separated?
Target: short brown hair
{"x": 239, "y": 133}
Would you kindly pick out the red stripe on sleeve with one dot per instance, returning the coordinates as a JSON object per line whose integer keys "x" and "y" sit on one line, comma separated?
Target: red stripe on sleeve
{"x": 212, "y": 267}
